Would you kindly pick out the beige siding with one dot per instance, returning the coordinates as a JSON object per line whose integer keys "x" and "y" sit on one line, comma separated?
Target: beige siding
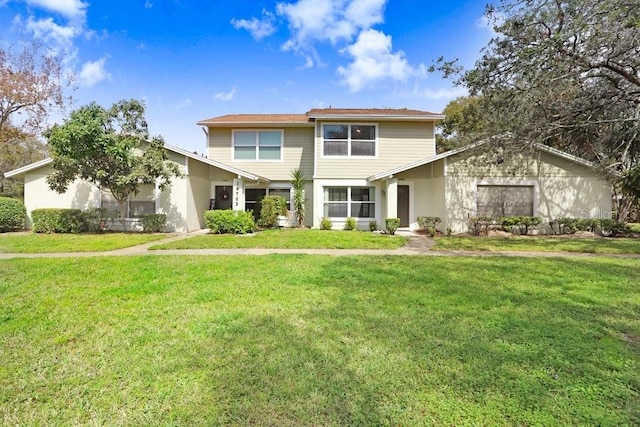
{"x": 297, "y": 153}
{"x": 198, "y": 194}
{"x": 561, "y": 188}
{"x": 399, "y": 143}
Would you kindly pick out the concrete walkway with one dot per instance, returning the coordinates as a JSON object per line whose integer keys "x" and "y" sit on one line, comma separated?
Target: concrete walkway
{"x": 417, "y": 245}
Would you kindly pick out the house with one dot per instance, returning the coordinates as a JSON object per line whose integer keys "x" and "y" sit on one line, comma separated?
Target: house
{"x": 369, "y": 164}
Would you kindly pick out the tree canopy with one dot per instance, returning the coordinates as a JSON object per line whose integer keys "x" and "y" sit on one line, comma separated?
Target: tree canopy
{"x": 564, "y": 73}
{"x": 110, "y": 148}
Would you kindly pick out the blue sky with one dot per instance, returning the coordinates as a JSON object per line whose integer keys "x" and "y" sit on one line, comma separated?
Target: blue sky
{"x": 190, "y": 60}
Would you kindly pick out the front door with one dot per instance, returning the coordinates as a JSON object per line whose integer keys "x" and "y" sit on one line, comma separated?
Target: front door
{"x": 223, "y": 198}
{"x": 403, "y": 205}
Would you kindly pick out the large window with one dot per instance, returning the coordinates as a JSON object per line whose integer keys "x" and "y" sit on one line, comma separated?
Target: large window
{"x": 253, "y": 198}
{"x": 257, "y": 145}
{"x": 134, "y": 208}
{"x": 344, "y": 202}
{"x": 505, "y": 200}
{"x": 349, "y": 140}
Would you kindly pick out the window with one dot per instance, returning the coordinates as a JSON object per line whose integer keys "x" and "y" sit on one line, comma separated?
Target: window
{"x": 349, "y": 140}
{"x": 344, "y": 202}
{"x": 505, "y": 200}
{"x": 257, "y": 145}
{"x": 253, "y": 198}
{"x": 134, "y": 208}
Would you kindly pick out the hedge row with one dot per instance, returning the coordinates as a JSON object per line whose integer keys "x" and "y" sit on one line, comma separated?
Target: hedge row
{"x": 12, "y": 214}
{"x": 55, "y": 220}
{"x": 229, "y": 222}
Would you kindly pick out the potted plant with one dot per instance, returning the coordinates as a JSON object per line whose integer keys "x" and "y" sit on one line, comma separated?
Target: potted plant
{"x": 282, "y": 207}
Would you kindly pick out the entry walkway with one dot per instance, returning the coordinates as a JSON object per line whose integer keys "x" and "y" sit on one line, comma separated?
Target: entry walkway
{"x": 417, "y": 245}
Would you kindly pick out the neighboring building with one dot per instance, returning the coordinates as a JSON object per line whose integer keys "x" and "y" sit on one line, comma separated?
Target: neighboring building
{"x": 369, "y": 164}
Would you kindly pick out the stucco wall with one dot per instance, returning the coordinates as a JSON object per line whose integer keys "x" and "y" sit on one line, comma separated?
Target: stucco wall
{"x": 561, "y": 188}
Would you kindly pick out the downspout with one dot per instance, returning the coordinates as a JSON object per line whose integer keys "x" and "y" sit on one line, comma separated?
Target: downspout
{"x": 206, "y": 143}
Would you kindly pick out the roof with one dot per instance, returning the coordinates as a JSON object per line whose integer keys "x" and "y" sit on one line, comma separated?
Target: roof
{"x": 431, "y": 159}
{"x": 178, "y": 150}
{"x": 257, "y": 119}
{"x": 321, "y": 113}
{"x": 390, "y": 113}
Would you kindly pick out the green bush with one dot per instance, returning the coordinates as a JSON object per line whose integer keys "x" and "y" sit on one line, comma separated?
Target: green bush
{"x": 527, "y": 223}
{"x": 480, "y": 224}
{"x": 269, "y": 212}
{"x": 326, "y": 224}
{"x": 153, "y": 223}
{"x": 350, "y": 224}
{"x": 12, "y": 214}
{"x": 391, "y": 225}
{"x": 509, "y": 222}
{"x": 373, "y": 225}
{"x": 54, "y": 220}
{"x": 229, "y": 222}
{"x": 613, "y": 228}
{"x": 424, "y": 222}
{"x": 97, "y": 219}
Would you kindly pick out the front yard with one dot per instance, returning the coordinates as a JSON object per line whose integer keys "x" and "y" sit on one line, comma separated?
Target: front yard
{"x": 28, "y": 242}
{"x": 314, "y": 340}
{"x": 539, "y": 244}
{"x": 290, "y": 238}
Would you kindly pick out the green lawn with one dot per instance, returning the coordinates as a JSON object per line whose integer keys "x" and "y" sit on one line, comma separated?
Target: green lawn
{"x": 47, "y": 243}
{"x": 540, "y": 244}
{"x": 635, "y": 227}
{"x": 314, "y": 340}
{"x": 290, "y": 238}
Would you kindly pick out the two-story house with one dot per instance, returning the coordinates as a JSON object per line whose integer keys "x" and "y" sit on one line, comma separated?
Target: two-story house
{"x": 369, "y": 164}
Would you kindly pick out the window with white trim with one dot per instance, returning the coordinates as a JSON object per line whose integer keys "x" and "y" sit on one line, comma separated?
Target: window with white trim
{"x": 134, "y": 208}
{"x": 262, "y": 145}
{"x": 345, "y": 202}
{"x": 504, "y": 200}
{"x": 342, "y": 140}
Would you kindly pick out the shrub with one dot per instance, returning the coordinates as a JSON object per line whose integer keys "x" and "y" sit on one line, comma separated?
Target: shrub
{"x": 432, "y": 231}
{"x": 228, "y": 221}
{"x": 269, "y": 212}
{"x": 613, "y": 228}
{"x": 373, "y": 225}
{"x": 350, "y": 224}
{"x": 509, "y": 222}
{"x": 424, "y": 222}
{"x": 527, "y": 223}
{"x": 12, "y": 214}
{"x": 325, "y": 224}
{"x": 97, "y": 219}
{"x": 153, "y": 223}
{"x": 391, "y": 225}
{"x": 54, "y": 220}
{"x": 480, "y": 224}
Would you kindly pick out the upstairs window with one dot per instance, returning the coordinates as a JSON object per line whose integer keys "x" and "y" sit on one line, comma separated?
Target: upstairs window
{"x": 257, "y": 145}
{"x": 349, "y": 140}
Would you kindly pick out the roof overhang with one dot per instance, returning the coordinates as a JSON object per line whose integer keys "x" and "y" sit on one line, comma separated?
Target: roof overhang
{"x": 379, "y": 117}
{"x": 545, "y": 148}
{"x": 239, "y": 172}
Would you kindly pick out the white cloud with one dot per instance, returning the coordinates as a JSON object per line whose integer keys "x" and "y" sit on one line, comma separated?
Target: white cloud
{"x": 93, "y": 72}
{"x": 489, "y": 22}
{"x": 228, "y": 96}
{"x": 72, "y": 9}
{"x": 374, "y": 61}
{"x": 329, "y": 20}
{"x": 148, "y": 4}
{"x": 259, "y": 28}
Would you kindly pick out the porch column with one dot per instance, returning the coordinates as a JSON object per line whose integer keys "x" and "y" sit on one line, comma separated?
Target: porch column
{"x": 238, "y": 194}
{"x": 392, "y": 198}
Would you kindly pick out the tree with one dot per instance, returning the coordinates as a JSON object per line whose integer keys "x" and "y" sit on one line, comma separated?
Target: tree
{"x": 564, "y": 73}
{"x": 462, "y": 124}
{"x": 17, "y": 148}
{"x": 111, "y": 149}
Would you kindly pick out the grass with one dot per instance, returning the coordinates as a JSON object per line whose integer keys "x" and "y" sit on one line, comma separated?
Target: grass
{"x": 27, "y": 242}
{"x": 304, "y": 340}
{"x": 635, "y": 227}
{"x": 290, "y": 238}
{"x": 540, "y": 244}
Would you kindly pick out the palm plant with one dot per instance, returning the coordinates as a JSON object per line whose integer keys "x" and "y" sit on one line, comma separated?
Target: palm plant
{"x": 299, "y": 206}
